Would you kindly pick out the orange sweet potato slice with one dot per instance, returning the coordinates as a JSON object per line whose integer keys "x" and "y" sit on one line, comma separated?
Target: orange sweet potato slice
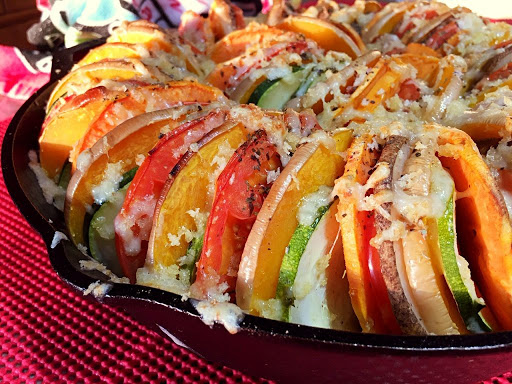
{"x": 144, "y": 99}
{"x": 235, "y": 44}
{"x": 111, "y": 51}
{"x": 64, "y": 128}
{"x": 142, "y": 32}
{"x": 188, "y": 191}
{"x": 327, "y": 35}
{"x": 483, "y": 226}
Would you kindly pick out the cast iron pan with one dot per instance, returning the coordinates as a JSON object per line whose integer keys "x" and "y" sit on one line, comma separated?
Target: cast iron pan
{"x": 262, "y": 347}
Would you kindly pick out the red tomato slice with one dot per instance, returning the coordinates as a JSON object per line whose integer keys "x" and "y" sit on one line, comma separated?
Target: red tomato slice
{"x": 240, "y": 191}
{"x": 427, "y": 15}
{"x": 503, "y": 44}
{"x": 501, "y": 73}
{"x": 380, "y": 292}
{"x": 441, "y": 35}
{"x": 409, "y": 90}
{"x": 133, "y": 223}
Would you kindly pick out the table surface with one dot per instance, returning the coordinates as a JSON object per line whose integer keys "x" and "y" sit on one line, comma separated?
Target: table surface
{"x": 49, "y": 333}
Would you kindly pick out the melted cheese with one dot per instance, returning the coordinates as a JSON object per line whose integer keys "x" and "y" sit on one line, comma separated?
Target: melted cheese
{"x": 112, "y": 176}
{"x": 53, "y": 193}
{"x": 308, "y": 210}
{"x": 227, "y": 314}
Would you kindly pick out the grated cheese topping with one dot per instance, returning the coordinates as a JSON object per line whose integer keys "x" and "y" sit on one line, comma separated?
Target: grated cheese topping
{"x": 109, "y": 184}
{"x": 53, "y": 193}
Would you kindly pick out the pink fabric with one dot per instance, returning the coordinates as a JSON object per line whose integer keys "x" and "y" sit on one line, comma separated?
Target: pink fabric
{"x": 43, "y": 5}
{"x": 173, "y": 8}
{"x": 18, "y": 80}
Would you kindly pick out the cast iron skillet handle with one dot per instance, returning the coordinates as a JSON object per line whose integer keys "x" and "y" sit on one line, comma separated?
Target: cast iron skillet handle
{"x": 65, "y": 58}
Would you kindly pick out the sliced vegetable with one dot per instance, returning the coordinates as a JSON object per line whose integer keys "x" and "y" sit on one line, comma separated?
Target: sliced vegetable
{"x": 372, "y": 269}
{"x": 118, "y": 70}
{"x": 245, "y": 89}
{"x": 274, "y": 94}
{"x": 119, "y": 149}
{"x": 240, "y": 190}
{"x": 112, "y": 51}
{"x": 312, "y": 166}
{"x": 192, "y": 257}
{"x": 442, "y": 34}
{"x": 381, "y": 83}
{"x": 427, "y": 67}
{"x": 385, "y": 21}
{"x": 225, "y": 17}
{"x": 448, "y": 86}
{"x": 229, "y": 74}
{"x": 291, "y": 260}
{"x": 261, "y": 89}
{"x": 355, "y": 236}
{"x": 484, "y": 232}
{"x": 188, "y": 195}
{"x": 65, "y": 176}
{"x": 57, "y": 139}
{"x": 321, "y": 291}
{"x": 142, "y": 32}
{"x": 425, "y": 282}
{"x": 140, "y": 100}
{"x": 235, "y": 44}
{"x": 133, "y": 224}
{"x": 101, "y": 231}
{"x": 153, "y": 38}
{"x": 327, "y": 35}
{"x": 314, "y": 77}
{"x": 443, "y": 244}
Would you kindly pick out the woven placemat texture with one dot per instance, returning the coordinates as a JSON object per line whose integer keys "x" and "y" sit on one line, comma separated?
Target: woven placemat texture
{"x": 51, "y": 334}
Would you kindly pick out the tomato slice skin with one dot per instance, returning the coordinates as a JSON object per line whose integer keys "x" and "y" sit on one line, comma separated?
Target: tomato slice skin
{"x": 147, "y": 185}
{"x": 427, "y": 15}
{"x": 240, "y": 190}
{"x": 409, "y": 90}
{"x": 501, "y": 73}
{"x": 441, "y": 35}
{"x": 377, "y": 282}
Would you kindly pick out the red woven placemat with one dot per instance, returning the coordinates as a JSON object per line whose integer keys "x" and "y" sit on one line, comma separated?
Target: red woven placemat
{"x": 51, "y": 334}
